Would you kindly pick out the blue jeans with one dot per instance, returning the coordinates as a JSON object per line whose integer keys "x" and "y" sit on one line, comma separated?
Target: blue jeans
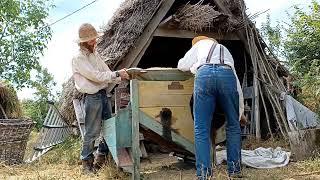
{"x": 96, "y": 109}
{"x": 216, "y": 84}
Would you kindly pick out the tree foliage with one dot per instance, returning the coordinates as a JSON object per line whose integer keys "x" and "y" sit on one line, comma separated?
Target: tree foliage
{"x": 24, "y": 35}
{"x": 298, "y": 42}
{"x": 273, "y": 37}
{"x": 37, "y": 108}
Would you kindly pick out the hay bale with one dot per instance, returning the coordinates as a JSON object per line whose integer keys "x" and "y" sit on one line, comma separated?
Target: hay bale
{"x": 66, "y": 101}
{"x": 125, "y": 27}
{"x": 196, "y": 17}
{"x": 9, "y": 101}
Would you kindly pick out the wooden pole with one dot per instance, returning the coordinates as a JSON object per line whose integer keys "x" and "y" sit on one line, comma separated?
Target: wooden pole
{"x": 266, "y": 112}
{"x": 135, "y": 117}
{"x": 3, "y": 112}
{"x": 256, "y": 106}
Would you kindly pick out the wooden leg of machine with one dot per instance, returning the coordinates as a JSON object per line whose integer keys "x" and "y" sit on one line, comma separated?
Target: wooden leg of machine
{"x": 135, "y": 117}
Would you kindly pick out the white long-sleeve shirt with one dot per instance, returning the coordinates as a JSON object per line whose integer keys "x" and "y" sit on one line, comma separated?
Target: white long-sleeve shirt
{"x": 197, "y": 56}
{"x": 90, "y": 73}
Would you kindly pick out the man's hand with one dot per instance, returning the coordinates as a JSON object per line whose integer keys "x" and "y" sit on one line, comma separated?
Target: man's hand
{"x": 123, "y": 74}
{"x": 243, "y": 120}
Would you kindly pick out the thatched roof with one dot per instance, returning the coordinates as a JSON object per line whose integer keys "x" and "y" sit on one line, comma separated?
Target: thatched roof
{"x": 126, "y": 25}
{"x": 9, "y": 102}
{"x": 129, "y": 21}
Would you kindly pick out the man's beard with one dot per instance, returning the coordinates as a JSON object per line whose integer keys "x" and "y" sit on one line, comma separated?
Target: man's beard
{"x": 89, "y": 47}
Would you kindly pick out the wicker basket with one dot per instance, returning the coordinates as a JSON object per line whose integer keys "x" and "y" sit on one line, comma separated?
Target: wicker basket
{"x": 14, "y": 134}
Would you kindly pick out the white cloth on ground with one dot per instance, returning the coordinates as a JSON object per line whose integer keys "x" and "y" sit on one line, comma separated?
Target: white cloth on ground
{"x": 260, "y": 158}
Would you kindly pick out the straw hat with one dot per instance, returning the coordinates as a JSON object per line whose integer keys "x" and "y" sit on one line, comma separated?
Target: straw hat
{"x": 199, "y": 38}
{"x": 87, "y": 32}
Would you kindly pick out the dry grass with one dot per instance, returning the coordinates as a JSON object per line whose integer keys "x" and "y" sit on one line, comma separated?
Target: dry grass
{"x": 62, "y": 163}
{"x": 252, "y": 143}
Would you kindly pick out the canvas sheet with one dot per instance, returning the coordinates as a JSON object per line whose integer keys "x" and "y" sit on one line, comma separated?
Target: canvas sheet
{"x": 299, "y": 116}
{"x": 260, "y": 158}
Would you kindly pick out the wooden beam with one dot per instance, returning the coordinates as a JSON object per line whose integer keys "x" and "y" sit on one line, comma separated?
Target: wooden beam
{"x": 256, "y": 114}
{"x": 167, "y": 32}
{"x": 165, "y": 22}
{"x": 156, "y": 127}
{"x": 146, "y": 35}
{"x": 135, "y": 117}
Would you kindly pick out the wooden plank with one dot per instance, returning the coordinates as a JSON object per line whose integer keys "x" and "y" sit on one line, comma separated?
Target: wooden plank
{"x": 147, "y": 33}
{"x": 167, "y": 32}
{"x": 143, "y": 150}
{"x": 256, "y": 115}
{"x": 123, "y": 128}
{"x": 156, "y": 127}
{"x": 164, "y": 100}
{"x": 79, "y": 115}
{"x": 181, "y": 122}
{"x": 109, "y": 132}
{"x": 165, "y": 93}
{"x": 304, "y": 143}
{"x": 165, "y": 74}
{"x": 135, "y": 116}
{"x": 125, "y": 159}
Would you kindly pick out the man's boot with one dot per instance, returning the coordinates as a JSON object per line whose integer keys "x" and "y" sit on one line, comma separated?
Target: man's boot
{"x": 100, "y": 162}
{"x": 87, "y": 166}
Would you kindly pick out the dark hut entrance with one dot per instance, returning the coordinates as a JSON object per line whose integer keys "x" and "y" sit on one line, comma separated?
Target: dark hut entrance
{"x": 166, "y": 52}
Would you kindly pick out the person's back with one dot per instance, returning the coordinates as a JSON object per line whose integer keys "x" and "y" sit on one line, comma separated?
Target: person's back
{"x": 215, "y": 83}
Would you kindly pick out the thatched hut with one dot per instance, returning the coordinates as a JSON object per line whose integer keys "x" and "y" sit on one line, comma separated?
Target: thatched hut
{"x": 157, "y": 33}
{"x": 10, "y": 107}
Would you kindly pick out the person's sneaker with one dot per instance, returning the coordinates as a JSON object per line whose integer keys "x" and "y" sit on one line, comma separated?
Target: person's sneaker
{"x": 206, "y": 178}
{"x": 235, "y": 176}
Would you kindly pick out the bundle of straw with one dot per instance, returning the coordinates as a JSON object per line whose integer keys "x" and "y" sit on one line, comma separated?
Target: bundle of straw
{"x": 10, "y": 105}
{"x": 66, "y": 101}
{"x": 196, "y": 17}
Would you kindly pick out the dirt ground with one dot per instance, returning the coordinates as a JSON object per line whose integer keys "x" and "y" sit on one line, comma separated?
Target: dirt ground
{"x": 62, "y": 163}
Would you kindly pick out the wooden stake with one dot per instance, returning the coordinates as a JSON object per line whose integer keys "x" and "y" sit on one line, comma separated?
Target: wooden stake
{"x": 3, "y": 112}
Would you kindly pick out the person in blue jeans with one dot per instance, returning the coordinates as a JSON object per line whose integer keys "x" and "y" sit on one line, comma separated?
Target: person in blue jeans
{"x": 91, "y": 77}
{"x": 215, "y": 82}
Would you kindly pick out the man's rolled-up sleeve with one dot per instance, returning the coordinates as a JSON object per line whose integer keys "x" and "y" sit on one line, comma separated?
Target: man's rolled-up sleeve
{"x": 188, "y": 60}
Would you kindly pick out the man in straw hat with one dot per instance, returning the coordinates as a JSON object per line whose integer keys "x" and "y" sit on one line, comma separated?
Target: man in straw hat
{"x": 91, "y": 76}
{"x": 215, "y": 82}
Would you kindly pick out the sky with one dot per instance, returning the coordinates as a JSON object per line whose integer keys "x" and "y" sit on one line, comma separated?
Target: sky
{"x": 58, "y": 55}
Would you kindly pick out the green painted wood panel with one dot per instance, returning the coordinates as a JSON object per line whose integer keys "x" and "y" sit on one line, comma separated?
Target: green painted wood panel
{"x": 164, "y": 74}
{"x": 124, "y": 128}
